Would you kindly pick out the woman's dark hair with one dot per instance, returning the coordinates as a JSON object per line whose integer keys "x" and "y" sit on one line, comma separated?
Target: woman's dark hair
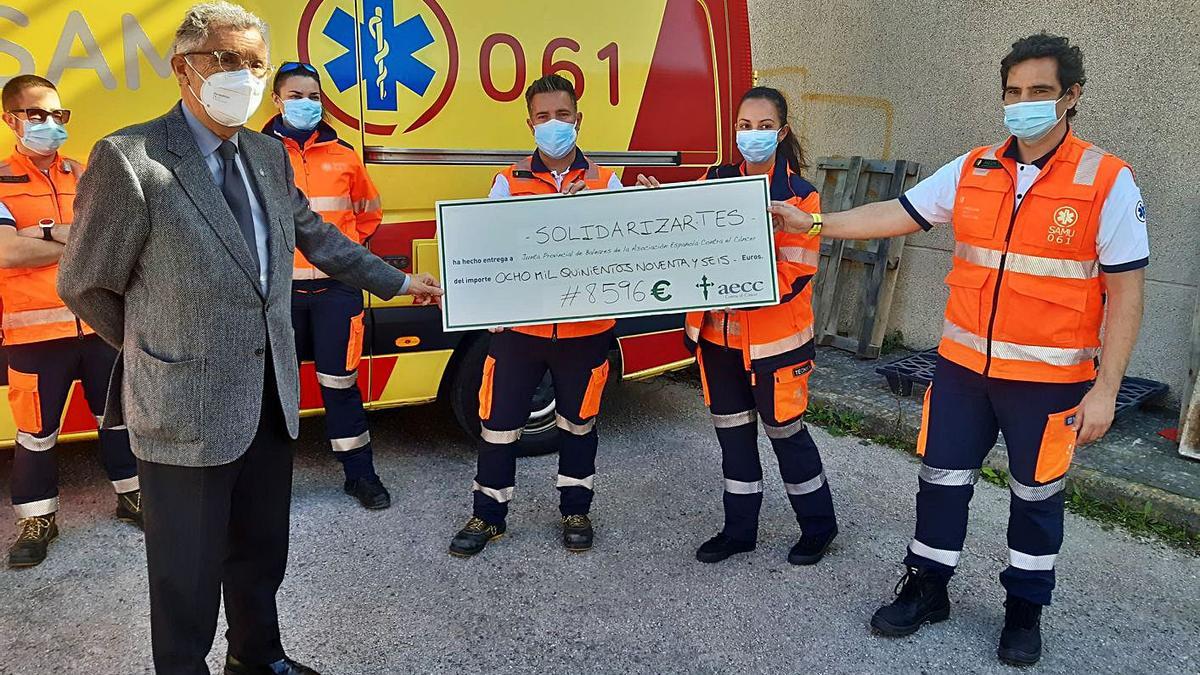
{"x": 294, "y": 69}
{"x": 1045, "y": 45}
{"x": 789, "y": 148}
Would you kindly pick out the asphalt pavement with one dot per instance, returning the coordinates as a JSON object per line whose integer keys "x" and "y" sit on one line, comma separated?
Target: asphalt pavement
{"x": 375, "y": 592}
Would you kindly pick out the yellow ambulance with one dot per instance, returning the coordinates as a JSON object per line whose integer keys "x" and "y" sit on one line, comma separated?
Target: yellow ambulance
{"x": 430, "y": 92}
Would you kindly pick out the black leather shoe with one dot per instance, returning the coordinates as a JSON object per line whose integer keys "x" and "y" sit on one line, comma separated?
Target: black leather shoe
{"x": 721, "y": 547}
{"x": 33, "y": 538}
{"x": 1021, "y": 639}
{"x": 284, "y": 666}
{"x": 369, "y": 492}
{"x": 129, "y": 507}
{"x": 810, "y": 550}
{"x": 577, "y": 533}
{"x": 474, "y": 536}
{"x": 920, "y": 598}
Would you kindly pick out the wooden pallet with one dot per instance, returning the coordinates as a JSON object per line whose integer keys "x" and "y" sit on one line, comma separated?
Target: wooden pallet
{"x": 845, "y": 183}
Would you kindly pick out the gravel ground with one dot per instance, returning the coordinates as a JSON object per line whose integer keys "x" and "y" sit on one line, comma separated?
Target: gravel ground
{"x": 375, "y": 592}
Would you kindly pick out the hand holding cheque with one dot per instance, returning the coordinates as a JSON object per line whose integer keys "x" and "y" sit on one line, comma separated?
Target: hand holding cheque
{"x": 607, "y": 254}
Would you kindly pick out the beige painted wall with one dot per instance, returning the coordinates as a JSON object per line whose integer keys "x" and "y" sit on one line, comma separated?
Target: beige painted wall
{"x": 919, "y": 80}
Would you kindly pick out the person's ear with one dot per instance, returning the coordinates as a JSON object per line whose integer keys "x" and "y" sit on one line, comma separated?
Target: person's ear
{"x": 180, "y": 67}
{"x": 784, "y": 131}
{"x": 578, "y": 121}
{"x": 13, "y": 123}
{"x": 529, "y": 122}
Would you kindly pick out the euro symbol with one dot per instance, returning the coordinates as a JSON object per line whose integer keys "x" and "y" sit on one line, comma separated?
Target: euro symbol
{"x": 659, "y": 291}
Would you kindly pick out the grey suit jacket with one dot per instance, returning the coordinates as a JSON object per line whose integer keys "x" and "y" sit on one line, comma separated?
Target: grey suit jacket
{"x": 157, "y": 265}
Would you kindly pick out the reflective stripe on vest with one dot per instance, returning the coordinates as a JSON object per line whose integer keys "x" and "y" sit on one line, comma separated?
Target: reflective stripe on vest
{"x": 38, "y": 317}
{"x": 307, "y": 274}
{"x": 781, "y": 346}
{"x": 324, "y": 204}
{"x": 1055, "y": 356}
{"x": 1028, "y": 264}
{"x": 800, "y": 254}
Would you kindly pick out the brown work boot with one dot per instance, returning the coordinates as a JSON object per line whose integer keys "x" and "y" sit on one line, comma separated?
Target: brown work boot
{"x": 34, "y": 535}
{"x": 129, "y": 507}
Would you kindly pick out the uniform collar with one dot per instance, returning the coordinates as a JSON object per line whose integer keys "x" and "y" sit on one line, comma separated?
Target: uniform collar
{"x": 781, "y": 174}
{"x": 59, "y": 165}
{"x": 1011, "y": 150}
{"x": 539, "y": 166}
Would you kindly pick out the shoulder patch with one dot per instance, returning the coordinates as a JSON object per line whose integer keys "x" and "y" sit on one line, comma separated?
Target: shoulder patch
{"x": 22, "y": 178}
{"x": 522, "y": 173}
{"x": 346, "y": 145}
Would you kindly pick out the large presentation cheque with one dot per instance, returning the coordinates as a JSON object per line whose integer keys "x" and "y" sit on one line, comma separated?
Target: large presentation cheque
{"x": 606, "y": 254}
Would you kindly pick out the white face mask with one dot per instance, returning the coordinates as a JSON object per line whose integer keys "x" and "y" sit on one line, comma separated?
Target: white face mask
{"x": 230, "y": 97}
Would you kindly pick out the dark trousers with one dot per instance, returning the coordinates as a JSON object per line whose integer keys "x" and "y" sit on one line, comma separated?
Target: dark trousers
{"x": 213, "y": 530}
{"x": 40, "y": 378}
{"x": 964, "y": 413}
{"x": 778, "y": 393}
{"x": 515, "y": 365}
{"x": 327, "y": 317}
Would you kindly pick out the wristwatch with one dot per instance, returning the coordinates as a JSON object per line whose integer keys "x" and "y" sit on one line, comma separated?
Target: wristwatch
{"x": 47, "y": 226}
{"x": 816, "y": 227}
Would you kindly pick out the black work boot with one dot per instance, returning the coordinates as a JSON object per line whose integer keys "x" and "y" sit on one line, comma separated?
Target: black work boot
{"x": 920, "y": 598}
{"x": 369, "y": 492}
{"x": 129, "y": 507}
{"x": 721, "y": 547}
{"x": 1021, "y": 639}
{"x": 577, "y": 533}
{"x": 474, "y": 536}
{"x": 810, "y": 550}
{"x": 34, "y": 535}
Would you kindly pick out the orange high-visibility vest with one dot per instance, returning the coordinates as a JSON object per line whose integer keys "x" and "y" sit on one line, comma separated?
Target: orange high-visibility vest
{"x": 530, "y": 177}
{"x": 329, "y": 172}
{"x": 1026, "y": 295}
{"x": 785, "y": 328}
{"x": 32, "y": 310}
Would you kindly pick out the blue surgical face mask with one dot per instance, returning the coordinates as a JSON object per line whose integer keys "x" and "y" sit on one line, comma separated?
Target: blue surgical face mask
{"x": 1031, "y": 120}
{"x": 302, "y": 113}
{"x": 555, "y": 139}
{"x": 758, "y": 146}
{"x": 44, "y": 139}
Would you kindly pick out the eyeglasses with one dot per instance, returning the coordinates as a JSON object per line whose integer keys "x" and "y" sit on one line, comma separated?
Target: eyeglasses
{"x": 38, "y": 115}
{"x": 230, "y": 61}
{"x": 292, "y": 66}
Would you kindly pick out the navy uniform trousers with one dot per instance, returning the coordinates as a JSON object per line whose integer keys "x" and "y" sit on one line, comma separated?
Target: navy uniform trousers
{"x": 40, "y": 378}
{"x": 515, "y": 366}
{"x": 327, "y": 316}
{"x": 778, "y": 392}
{"x": 964, "y": 413}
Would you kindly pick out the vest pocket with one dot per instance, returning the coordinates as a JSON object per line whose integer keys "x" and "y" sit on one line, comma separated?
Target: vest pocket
{"x": 1058, "y": 446}
{"x": 965, "y": 306}
{"x": 595, "y": 391}
{"x": 1046, "y": 312}
{"x": 1056, "y": 219}
{"x": 979, "y": 209}
{"x": 791, "y": 391}
{"x": 25, "y": 401}
{"x": 354, "y": 346}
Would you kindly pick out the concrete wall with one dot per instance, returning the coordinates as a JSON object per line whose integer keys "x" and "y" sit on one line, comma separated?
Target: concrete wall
{"x": 919, "y": 80}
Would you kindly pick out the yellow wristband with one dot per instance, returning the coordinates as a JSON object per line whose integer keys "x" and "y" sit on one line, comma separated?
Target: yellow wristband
{"x": 817, "y": 222}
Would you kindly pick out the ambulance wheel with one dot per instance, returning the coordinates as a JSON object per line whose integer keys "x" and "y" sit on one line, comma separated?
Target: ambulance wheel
{"x": 541, "y": 434}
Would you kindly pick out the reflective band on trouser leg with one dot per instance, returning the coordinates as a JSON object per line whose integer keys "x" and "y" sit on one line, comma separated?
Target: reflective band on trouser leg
{"x": 1024, "y": 561}
{"x": 950, "y": 477}
{"x": 740, "y": 487}
{"x": 938, "y": 555}
{"x": 350, "y": 444}
{"x": 566, "y": 481}
{"x": 785, "y": 431}
{"x": 37, "y": 443}
{"x": 501, "y": 495}
{"x": 43, "y": 507}
{"x": 500, "y": 437}
{"x": 734, "y": 420}
{"x": 126, "y": 485}
{"x": 338, "y": 381}
{"x": 573, "y": 428}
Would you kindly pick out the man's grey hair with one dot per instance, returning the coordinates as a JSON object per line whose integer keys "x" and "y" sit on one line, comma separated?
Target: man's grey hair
{"x": 202, "y": 19}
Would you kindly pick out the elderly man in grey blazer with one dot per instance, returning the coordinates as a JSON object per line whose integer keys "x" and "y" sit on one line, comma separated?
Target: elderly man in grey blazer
{"x": 185, "y": 232}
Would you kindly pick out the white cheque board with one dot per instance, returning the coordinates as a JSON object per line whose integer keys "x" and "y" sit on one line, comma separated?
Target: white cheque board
{"x": 606, "y": 254}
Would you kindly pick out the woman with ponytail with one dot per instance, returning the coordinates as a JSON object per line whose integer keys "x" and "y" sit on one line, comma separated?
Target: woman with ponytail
{"x": 756, "y": 362}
